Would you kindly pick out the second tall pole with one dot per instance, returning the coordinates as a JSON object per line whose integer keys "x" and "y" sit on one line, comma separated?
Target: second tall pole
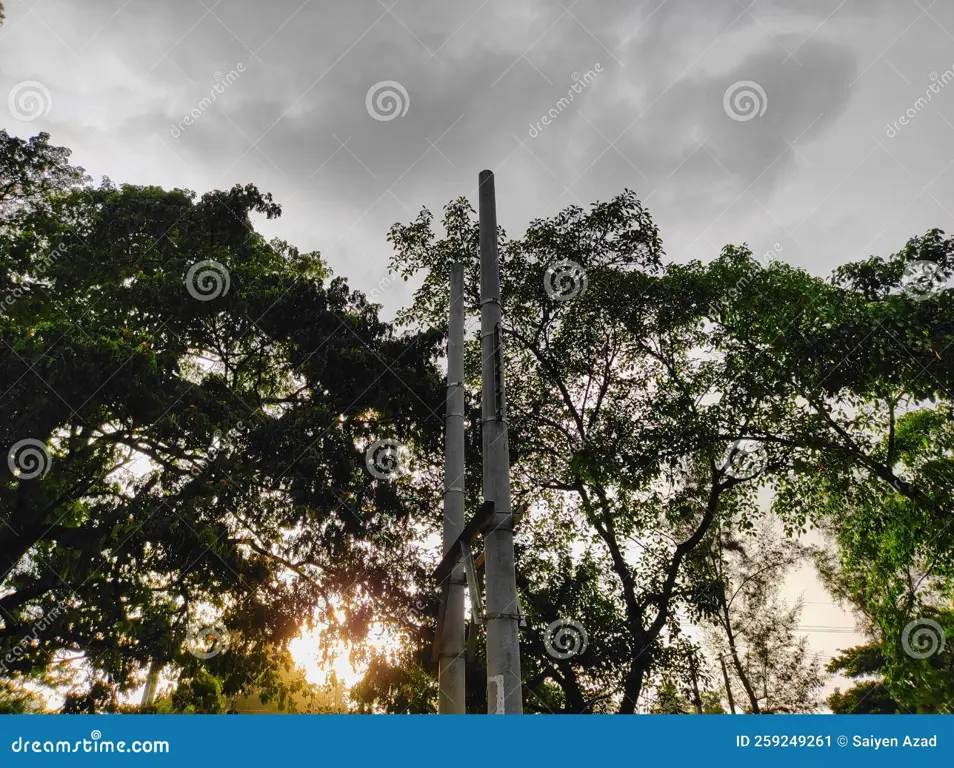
{"x": 504, "y": 685}
{"x": 451, "y": 670}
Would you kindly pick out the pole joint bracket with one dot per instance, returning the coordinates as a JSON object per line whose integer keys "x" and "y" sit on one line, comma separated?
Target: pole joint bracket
{"x": 518, "y": 617}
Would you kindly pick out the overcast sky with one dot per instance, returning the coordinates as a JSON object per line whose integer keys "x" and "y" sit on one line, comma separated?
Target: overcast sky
{"x": 773, "y": 121}
{"x": 812, "y": 167}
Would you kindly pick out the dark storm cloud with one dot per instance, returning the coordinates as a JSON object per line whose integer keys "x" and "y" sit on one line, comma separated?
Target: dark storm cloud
{"x": 478, "y": 76}
{"x": 747, "y": 118}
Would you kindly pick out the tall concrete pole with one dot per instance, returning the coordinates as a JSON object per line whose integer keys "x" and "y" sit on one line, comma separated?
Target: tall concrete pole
{"x": 504, "y": 694}
{"x": 451, "y": 674}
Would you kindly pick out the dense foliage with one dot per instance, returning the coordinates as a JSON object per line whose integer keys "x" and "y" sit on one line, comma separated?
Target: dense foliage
{"x": 196, "y": 433}
{"x": 192, "y": 415}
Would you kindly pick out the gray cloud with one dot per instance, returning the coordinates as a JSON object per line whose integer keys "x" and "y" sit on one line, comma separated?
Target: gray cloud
{"x": 477, "y": 77}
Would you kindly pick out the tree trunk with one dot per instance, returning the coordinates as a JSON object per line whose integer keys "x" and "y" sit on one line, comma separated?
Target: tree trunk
{"x": 736, "y": 663}
{"x": 696, "y": 698}
{"x": 743, "y": 677}
{"x": 152, "y": 683}
{"x": 632, "y": 687}
{"x": 728, "y": 685}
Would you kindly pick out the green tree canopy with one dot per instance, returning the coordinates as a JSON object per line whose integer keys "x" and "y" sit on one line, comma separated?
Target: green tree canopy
{"x": 200, "y": 435}
{"x": 187, "y": 408}
{"x": 651, "y": 402}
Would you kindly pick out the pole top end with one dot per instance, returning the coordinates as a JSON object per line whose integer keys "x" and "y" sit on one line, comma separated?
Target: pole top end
{"x": 485, "y": 175}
